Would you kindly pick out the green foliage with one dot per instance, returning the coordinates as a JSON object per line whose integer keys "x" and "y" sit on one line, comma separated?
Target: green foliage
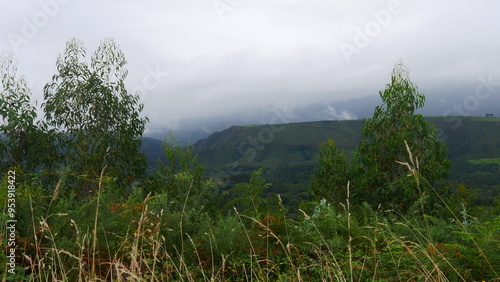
{"x": 169, "y": 228}
{"x": 326, "y": 223}
{"x": 289, "y": 167}
{"x": 477, "y": 245}
{"x": 330, "y": 179}
{"x": 98, "y": 120}
{"x": 23, "y": 142}
{"x": 478, "y": 185}
{"x": 143, "y": 237}
{"x": 180, "y": 180}
{"x": 397, "y": 144}
{"x": 248, "y": 199}
{"x": 393, "y": 139}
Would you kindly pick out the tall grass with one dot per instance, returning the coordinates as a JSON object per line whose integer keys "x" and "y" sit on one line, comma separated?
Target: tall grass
{"x": 377, "y": 252}
{"x": 139, "y": 240}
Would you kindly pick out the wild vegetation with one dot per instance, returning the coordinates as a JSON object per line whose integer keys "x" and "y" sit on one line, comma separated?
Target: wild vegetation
{"x": 86, "y": 210}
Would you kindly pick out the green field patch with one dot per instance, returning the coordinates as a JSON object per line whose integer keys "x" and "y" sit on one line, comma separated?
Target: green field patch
{"x": 477, "y": 118}
{"x": 486, "y": 161}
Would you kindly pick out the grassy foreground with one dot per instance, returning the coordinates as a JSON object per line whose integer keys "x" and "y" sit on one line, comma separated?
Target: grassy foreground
{"x": 106, "y": 237}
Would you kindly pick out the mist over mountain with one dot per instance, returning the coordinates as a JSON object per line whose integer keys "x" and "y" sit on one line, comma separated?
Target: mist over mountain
{"x": 459, "y": 101}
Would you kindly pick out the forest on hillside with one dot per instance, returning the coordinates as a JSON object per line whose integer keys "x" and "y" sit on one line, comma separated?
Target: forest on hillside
{"x": 78, "y": 204}
{"x": 291, "y": 157}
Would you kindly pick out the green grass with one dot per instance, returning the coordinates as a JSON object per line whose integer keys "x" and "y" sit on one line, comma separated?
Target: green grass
{"x": 329, "y": 243}
{"x": 486, "y": 161}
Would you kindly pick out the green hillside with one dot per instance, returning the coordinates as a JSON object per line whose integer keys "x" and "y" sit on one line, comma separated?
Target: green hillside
{"x": 467, "y": 138}
{"x": 152, "y": 148}
{"x": 275, "y": 146}
{"x": 288, "y": 152}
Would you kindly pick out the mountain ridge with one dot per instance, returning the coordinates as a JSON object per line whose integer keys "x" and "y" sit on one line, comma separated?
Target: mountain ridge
{"x": 439, "y": 102}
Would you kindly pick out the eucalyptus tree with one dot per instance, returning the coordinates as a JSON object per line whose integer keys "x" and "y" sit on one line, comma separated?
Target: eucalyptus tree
{"x": 24, "y": 142}
{"x": 400, "y": 159}
{"x": 99, "y": 121}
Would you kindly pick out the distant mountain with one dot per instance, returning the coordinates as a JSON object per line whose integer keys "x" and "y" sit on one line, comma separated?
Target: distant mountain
{"x": 152, "y": 148}
{"x": 275, "y": 145}
{"x": 264, "y": 145}
{"x": 193, "y": 129}
{"x": 460, "y": 101}
{"x": 286, "y": 144}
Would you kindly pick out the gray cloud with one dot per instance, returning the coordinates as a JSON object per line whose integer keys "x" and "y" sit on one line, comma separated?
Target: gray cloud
{"x": 260, "y": 52}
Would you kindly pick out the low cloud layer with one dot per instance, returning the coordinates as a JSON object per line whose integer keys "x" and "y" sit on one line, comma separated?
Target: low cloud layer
{"x": 199, "y": 58}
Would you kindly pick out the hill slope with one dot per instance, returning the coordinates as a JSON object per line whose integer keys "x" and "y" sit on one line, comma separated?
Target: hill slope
{"x": 273, "y": 146}
{"x": 288, "y": 151}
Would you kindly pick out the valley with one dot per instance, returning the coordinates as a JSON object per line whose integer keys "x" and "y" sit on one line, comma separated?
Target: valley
{"x": 288, "y": 153}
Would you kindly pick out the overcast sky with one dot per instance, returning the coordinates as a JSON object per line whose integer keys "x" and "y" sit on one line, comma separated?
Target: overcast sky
{"x": 194, "y": 58}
